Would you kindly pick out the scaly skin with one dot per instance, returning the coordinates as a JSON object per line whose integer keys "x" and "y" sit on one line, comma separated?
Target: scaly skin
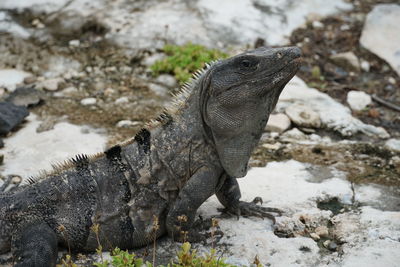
{"x": 166, "y": 171}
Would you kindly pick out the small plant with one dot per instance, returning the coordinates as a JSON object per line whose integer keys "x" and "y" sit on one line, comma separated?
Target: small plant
{"x": 186, "y": 257}
{"x": 182, "y": 61}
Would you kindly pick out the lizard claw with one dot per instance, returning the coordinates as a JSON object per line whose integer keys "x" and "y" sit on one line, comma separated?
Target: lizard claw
{"x": 252, "y": 209}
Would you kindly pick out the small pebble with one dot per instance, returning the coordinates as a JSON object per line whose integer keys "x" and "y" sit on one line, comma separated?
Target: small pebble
{"x": 88, "y": 101}
{"x": 29, "y": 79}
{"x": 109, "y": 92}
{"x": 122, "y": 100}
{"x": 127, "y": 123}
{"x": 344, "y": 27}
{"x": 317, "y": 24}
{"x": 392, "y": 80}
{"x": 315, "y": 236}
{"x": 16, "y": 180}
{"x": 365, "y": 66}
{"x": 52, "y": 84}
{"x": 332, "y": 246}
{"x": 326, "y": 243}
{"x": 322, "y": 231}
{"x": 74, "y": 43}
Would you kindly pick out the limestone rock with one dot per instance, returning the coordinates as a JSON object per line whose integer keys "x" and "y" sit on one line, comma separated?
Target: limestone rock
{"x": 333, "y": 114}
{"x": 358, "y": 100}
{"x": 346, "y": 60}
{"x": 381, "y": 33}
{"x": 304, "y": 116}
{"x": 278, "y": 123}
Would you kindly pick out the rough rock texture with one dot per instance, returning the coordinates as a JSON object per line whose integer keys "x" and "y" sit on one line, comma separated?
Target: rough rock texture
{"x": 381, "y": 33}
{"x": 333, "y": 115}
{"x": 303, "y": 116}
{"x": 10, "y": 116}
{"x": 212, "y": 23}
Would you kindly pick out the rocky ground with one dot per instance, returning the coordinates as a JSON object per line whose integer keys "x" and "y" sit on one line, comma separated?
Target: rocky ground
{"x": 330, "y": 156}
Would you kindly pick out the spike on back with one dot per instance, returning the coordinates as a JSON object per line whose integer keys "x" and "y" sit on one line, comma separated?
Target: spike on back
{"x": 142, "y": 137}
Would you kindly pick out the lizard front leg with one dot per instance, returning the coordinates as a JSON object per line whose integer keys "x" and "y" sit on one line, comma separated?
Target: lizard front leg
{"x": 182, "y": 214}
{"x": 229, "y": 195}
{"x": 35, "y": 246}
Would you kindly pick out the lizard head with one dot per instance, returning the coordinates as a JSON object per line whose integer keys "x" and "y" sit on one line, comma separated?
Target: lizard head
{"x": 240, "y": 94}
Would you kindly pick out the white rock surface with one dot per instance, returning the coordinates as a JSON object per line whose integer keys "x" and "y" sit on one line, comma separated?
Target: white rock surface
{"x": 207, "y": 22}
{"x": 358, "y": 100}
{"x": 9, "y": 78}
{"x": 381, "y": 33}
{"x": 27, "y": 152}
{"x": 268, "y": 19}
{"x": 333, "y": 115}
{"x": 303, "y": 115}
{"x": 278, "y": 123}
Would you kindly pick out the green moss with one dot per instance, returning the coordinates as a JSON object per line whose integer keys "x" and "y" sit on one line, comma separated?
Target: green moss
{"x": 182, "y": 61}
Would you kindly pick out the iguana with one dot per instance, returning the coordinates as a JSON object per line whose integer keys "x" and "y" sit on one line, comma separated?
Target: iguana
{"x": 196, "y": 148}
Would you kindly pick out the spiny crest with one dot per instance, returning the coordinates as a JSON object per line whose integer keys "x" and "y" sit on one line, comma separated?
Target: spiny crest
{"x": 179, "y": 98}
{"x": 79, "y": 161}
{"x": 142, "y": 137}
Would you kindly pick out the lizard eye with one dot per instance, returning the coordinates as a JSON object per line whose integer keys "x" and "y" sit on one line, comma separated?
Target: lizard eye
{"x": 246, "y": 63}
